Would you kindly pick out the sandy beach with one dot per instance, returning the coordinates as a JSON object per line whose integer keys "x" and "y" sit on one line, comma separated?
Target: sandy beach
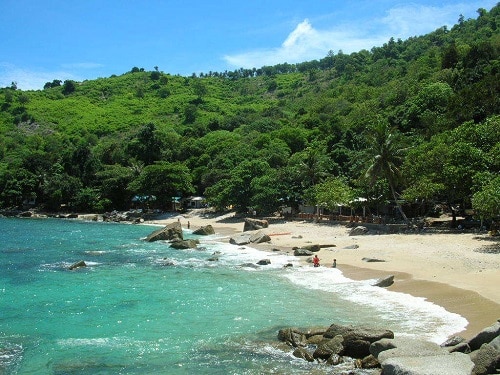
{"x": 459, "y": 271}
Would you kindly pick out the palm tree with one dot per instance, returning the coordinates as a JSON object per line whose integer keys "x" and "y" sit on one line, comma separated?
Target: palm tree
{"x": 386, "y": 156}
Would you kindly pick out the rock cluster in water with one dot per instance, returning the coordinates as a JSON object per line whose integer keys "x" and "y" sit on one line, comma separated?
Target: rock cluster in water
{"x": 379, "y": 350}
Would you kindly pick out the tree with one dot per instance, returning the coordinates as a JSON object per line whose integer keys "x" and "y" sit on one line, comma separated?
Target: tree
{"x": 332, "y": 192}
{"x": 386, "y": 155}
{"x": 68, "y": 87}
{"x": 487, "y": 200}
{"x": 163, "y": 180}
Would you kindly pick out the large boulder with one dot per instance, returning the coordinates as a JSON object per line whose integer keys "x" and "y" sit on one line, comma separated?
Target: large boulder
{"x": 204, "y": 231}
{"x": 254, "y": 224}
{"x": 242, "y": 239}
{"x": 384, "y": 282}
{"x": 357, "y": 340}
{"x": 302, "y": 252}
{"x": 449, "y": 364}
{"x": 259, "y": 237}
{"x": 485, "y": 336}
{"x": 405, "y": 347}
{"x": 486, "y": 360}
{"x": 185, "y": 244}
{"x": 170, "y": 232}
{"x": 329, "y": 348}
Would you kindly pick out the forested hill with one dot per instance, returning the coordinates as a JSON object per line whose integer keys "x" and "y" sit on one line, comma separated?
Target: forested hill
{"x": 410, "y": 121}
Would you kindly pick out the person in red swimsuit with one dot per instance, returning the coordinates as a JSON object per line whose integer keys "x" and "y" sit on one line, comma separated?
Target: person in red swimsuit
{"x": 316, "y": 261}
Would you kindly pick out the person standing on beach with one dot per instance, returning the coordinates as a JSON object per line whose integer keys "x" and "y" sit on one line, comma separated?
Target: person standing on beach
{"x": 334, "y": 265}
{"x": 316, "y": 261}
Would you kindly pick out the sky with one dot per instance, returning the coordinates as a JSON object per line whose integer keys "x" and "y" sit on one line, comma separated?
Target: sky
{"x": 43, "y": 40}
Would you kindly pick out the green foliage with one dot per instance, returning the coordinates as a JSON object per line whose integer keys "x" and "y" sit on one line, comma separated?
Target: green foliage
{"x": 267, "y": 136}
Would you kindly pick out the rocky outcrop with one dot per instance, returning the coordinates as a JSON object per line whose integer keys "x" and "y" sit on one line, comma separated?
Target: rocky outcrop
{"x": 302, "y": 252}
{"x": 78, "y": 264}
{"x": 384, "y": 282}
{"x": 171, "y": 232}
{"x": 450, "y": 364}
{"x": 204, "y": 231}
{"x": 254, "y": 224}
{"x": 246, "y": 238}
{"x": 185, "y": 244}
{"x": 377, "y": 348}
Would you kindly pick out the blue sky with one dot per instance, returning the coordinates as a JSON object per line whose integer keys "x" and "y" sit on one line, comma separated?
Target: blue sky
{"x": 43, "y": 40}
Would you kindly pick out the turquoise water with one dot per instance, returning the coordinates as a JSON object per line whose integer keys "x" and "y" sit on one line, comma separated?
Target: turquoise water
{"x": 145, "y": 308}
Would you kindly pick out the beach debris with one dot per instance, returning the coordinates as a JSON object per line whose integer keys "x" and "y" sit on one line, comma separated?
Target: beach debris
{"x": 384, "y": 282}
{"x": 254, "y": 224}
{"x": 204, "y": 231}
{"x": 185, "y": 244}
{"x": 358, "y": 231}
{"x": 79, "y": 264}
{"x": 172, "y": 231}
{"x": 372, "y": 260}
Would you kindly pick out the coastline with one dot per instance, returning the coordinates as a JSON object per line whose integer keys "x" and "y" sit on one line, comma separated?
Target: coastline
{"x": 448, "y": 269}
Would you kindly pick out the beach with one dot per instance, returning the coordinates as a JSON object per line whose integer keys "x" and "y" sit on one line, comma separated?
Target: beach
{"x": 459, "y": 271}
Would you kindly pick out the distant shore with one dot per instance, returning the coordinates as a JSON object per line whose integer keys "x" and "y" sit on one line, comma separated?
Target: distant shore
{"x": 458, "y": 271}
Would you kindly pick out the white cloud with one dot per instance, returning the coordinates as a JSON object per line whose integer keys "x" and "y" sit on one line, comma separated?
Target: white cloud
{"x": 306, "y": 43}
{"x": 302, "y": 44}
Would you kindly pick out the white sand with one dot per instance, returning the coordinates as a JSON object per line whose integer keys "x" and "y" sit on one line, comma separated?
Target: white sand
{"x": 445, "y": 268}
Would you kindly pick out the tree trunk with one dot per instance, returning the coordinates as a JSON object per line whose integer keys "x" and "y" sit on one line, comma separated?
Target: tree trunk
{"x": 398, "y": 205}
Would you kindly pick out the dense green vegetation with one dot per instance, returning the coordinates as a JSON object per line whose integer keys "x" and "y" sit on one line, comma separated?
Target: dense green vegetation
{"x": 414, "y": 121}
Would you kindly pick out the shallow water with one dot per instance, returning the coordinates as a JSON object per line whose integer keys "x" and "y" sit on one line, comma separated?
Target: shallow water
{"x": 145, "y": 308}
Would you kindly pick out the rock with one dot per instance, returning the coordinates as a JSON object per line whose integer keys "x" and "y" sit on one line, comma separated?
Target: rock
{"x": 185, "y": 244}
{"x": 264, "y": 262}
{"x": 302, "y": 252}
{"x": 352, "y": 247}
{"x": 368, "y": 362}
{"x": 170, "y": 232}
{"x": 213, "y": 259}
{"x": 254, "y": 224}
{"x": 329, "y": 347}
{"x": 78, "y": 264}
{"x": 249, "y": 265}
{"x": 288, "y": 265}
{"x": 312, "y": 248}
{"x": 204, "y": 231}
{"x": 453, "y": 341}
{"x": 405, "y": 347}
{"x": 259, "y": 237}
{"x": 496, "y": 343}
{"x": 463, "y": 347}
{"x": 334, "y": 360}
{"x": 485, "y": 336}
{"x": 372, "y": 260}
{"x": 359, "y": 333}
{"x": 242, "y": 239}
{"x": 486, "y": 360}
{"x": 449, "y": 364}
{"x": 292, "y": 337}
{"x": 358, "y": 231}
{"x": 303, "y": 354}
{"x": 384, "y": 282}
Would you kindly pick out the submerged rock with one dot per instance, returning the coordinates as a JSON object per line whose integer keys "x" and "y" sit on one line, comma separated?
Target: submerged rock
{"x": 78, "y": 264}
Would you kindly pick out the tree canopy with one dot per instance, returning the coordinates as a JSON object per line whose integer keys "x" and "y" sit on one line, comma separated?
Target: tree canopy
{"x": 413, "y": 120}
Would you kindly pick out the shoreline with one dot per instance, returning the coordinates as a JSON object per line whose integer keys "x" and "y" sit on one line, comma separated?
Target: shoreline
{"x": 456, "y": 276}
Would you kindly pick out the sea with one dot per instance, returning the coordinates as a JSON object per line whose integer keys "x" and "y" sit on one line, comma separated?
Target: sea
{"x": 145, "y": 308}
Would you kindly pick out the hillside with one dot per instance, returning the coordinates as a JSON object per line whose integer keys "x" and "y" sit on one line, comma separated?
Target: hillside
{"x": 410, "y": 121}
